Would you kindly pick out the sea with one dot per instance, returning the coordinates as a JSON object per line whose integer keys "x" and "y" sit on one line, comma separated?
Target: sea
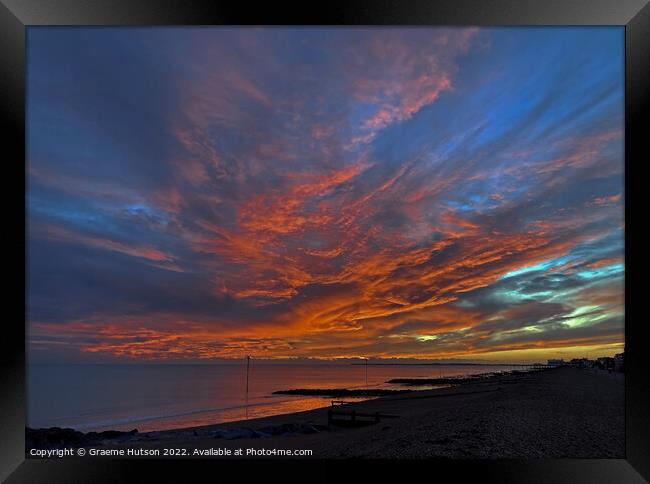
{"x": 151, "y": 397}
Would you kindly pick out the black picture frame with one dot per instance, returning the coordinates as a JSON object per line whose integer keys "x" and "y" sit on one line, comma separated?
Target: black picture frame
{"x": 17, "y": 15}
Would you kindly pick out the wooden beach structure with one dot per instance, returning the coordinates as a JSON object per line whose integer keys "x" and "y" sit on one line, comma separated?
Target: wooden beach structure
{"x": 351, "y": 418}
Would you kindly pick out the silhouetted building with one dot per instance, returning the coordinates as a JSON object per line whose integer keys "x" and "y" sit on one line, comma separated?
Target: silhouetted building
{"x": 619, "y": 360}
{"x": 605, "y": 363}
{"x": 559, "y": 362}
{"x": 580, "y": 363}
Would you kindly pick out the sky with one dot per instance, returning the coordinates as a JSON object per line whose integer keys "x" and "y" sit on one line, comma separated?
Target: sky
{"x": 197, "y": 194}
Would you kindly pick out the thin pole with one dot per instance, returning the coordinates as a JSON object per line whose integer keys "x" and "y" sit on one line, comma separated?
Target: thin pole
{"x": 366, "y": 372}
{"x": 248, "y": 364}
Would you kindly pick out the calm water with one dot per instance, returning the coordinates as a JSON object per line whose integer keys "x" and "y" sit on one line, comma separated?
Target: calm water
{"x": 157, "y": 397}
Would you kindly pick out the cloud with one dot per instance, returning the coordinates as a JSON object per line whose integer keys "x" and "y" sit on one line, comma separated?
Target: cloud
{"x": 325, "y": 193}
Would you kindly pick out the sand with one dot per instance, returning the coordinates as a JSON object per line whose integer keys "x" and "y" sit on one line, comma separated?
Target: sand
{"x": 558, "y": 413}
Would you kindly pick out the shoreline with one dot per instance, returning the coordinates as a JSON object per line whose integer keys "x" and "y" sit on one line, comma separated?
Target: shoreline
{"x": 562, "y": 412}
{"x": 327, "y": 394}
{"x": 323, "y": 395}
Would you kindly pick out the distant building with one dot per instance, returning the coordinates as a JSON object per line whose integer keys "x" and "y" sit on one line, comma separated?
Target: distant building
{"x": 605, "y": 363}
{"x": 619, "y": 359}
{"x": 559, "y": 362}
{"x": 580, "y": 363}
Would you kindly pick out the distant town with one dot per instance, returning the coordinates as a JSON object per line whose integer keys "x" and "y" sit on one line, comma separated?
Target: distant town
{"x": 613, "y": 364}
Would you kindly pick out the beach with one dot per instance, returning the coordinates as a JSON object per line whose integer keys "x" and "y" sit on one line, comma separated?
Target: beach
{"x": 555, "y": 413}
{"x": 166, "y": 396}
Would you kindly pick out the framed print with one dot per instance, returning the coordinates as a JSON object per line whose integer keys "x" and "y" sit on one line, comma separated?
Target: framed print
{"x": 371, "y": 234}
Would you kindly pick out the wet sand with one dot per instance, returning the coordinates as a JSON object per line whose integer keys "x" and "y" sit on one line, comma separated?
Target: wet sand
{"x": 557, "y": 413}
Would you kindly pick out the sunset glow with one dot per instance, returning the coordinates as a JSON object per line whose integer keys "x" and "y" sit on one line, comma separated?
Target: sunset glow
{"x": 207, "y": 193}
